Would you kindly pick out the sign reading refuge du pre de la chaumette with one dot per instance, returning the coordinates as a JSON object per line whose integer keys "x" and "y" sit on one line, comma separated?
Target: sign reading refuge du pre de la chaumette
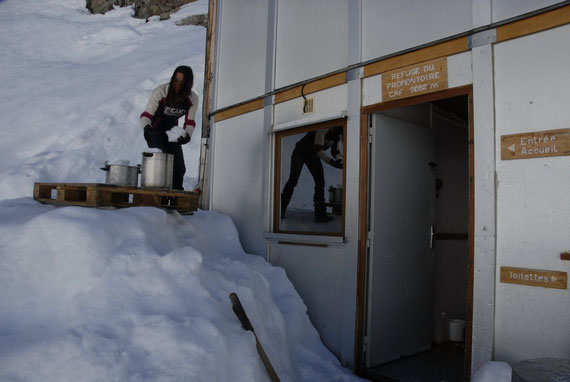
{"x": 425, "y": 77}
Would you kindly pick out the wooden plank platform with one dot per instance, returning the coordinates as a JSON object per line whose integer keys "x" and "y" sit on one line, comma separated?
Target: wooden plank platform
{"x": 108, "y": 195}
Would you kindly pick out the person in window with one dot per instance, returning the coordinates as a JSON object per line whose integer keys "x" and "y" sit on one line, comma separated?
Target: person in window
{"x": 167, "y": 103}
{"x": 310, "y": 151}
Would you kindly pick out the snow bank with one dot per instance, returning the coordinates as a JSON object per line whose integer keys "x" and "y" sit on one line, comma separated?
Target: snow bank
{"x": 494, "y": 371}
{"x": 140, "y": 294}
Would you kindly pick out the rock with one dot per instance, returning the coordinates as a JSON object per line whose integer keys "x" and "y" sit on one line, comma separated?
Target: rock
{"x": 103, "y": 6}
{"x": 143, "y": 8}
{"x": 198, "y": 20}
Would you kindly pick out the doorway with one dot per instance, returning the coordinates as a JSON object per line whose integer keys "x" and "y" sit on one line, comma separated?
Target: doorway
{"x": 418, "y": 272}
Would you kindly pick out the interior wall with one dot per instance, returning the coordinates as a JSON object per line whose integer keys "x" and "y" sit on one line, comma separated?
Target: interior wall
{"x": 242, "y": 51}
{"x": 237, "y": 183}
{"x": 532, "y": 79}
{"x": 452, "y": 206}
{"x": 452, "y": 216}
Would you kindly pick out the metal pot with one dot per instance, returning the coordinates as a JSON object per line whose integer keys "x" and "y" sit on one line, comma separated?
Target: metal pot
{"x": 122, "y": 175}
{"x": 335, "y": 194}
{"x": 157, "y": 170}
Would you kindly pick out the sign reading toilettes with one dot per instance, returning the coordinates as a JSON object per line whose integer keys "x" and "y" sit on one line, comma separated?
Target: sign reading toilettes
{"x": 534, "y": 277}
{"x": 536, "y": 144}
{"x": 425, "y": 77}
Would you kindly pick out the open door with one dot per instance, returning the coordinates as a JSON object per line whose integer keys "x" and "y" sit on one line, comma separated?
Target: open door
{"x": 399, "y": 316}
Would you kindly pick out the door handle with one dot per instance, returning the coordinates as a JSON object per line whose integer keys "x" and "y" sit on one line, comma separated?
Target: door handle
{"x": 431, "y": 236}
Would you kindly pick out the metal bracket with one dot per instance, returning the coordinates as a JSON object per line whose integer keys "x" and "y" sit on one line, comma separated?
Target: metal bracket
{"x": 354, "y": 74}
{"x": 482, "y": 38}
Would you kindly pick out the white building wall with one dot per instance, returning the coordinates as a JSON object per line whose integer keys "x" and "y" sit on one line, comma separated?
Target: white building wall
{"x": 241, "y": 55}
{"x": 326, "y": 102}
{"x": 326, "y": 277}
{"x": 532, "y": 78}
{"x": 522, "y": 213}
{"x": 237, "y": 182}
{"x": 503, "y": 9}
{"x": 392, "y": 26}
{"x": 317, "y": 274}
{"x": 312, "y": 39}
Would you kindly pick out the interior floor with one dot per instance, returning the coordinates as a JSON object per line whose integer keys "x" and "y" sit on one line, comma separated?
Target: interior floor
{"x": 304, "y": 220}
{"x": 443, "y": 363}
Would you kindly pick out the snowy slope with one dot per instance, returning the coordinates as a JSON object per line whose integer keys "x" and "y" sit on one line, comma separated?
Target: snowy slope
{"x": 75, "y": 84}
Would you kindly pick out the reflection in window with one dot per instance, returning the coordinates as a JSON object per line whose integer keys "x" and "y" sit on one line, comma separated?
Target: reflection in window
{"x": 310, "y": 179}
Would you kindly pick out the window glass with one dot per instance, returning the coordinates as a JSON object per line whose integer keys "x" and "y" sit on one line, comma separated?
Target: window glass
{"x": 309, "y": 172}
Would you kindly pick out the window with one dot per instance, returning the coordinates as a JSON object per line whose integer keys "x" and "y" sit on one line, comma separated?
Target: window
{"x": 309, "y": 179}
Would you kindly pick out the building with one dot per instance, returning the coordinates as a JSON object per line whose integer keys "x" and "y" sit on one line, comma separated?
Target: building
{"x": 454, "y": 193}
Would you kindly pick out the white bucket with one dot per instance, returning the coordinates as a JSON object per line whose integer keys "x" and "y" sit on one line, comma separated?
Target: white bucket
{"x": 456, "y": 330}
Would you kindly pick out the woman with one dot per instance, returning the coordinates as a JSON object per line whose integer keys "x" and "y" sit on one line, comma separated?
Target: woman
{"x": 310, "y": 151}
{"x": 167, "y": 103}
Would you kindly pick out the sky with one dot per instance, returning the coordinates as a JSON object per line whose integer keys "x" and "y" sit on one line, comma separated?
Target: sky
{"x": 134, "y": 294}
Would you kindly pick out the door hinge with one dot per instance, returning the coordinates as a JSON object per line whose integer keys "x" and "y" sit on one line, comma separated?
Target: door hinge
{"x": 368, "y": 239}
{"x": 365, "y": 344}
{"x": 370, "y": 134}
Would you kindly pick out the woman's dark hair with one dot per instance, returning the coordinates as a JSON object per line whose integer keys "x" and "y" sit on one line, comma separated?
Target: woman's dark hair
{"x": 173, "y": 99}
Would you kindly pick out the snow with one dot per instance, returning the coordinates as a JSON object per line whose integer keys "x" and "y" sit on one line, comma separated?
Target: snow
{"x": 493, "y": 371}
{"x": 140, "y": 294}
{"x": 136, "y": 294}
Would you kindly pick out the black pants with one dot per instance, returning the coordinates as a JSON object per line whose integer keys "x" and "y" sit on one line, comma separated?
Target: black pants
{"x": 159, "y": 140}
{"x": 313, "y": 163}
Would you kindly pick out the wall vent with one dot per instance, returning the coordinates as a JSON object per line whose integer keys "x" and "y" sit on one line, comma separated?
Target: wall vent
{"x": 308, "y": 105}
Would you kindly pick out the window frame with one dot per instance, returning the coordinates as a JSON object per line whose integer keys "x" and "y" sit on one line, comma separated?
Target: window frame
{"x": 277, "y": 186}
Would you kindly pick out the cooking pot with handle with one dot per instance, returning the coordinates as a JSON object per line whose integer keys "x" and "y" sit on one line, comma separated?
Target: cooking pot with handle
{"x": 122, "y": 174}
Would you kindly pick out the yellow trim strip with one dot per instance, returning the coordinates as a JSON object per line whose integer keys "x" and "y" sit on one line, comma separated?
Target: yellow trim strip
{"x": 443, "y": 49}
{"x": 311, "y": 87}
{"x": 238, "y": 110}
{"x": 538, "y": 23}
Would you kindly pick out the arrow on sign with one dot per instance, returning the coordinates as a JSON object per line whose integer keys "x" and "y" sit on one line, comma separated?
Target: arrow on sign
{"x": 512, "y": 147}
{"x": 553, "y": 278}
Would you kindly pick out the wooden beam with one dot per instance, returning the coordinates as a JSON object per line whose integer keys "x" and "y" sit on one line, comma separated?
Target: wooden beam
{"x": 362, "y": 247}
{"x": 311, "y": 87}
{"x": 443, "y": 49}
{"x": 239, "y": 110}
{"x": 538, "y": 23}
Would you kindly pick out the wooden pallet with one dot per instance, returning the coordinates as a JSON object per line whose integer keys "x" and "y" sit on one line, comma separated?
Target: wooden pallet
{"x": 107, "y": 195}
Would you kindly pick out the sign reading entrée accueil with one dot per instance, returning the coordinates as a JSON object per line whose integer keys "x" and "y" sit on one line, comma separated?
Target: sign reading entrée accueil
{"x": 425, "y": 77}
{"x": 536, "y": 144}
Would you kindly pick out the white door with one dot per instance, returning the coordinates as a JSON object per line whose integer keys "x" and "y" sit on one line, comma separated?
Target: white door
{"x": 399, "y": 320}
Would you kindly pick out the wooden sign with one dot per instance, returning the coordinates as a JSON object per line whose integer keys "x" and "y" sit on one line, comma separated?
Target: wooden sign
{"x": 536, "y": 144}
{"x": 534, "y": 277}
{"x": 413, "y": 80}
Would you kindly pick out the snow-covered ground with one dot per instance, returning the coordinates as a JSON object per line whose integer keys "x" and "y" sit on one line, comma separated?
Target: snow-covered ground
{"x": 140, "y": 294}
{"x": 136, "y": 294}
